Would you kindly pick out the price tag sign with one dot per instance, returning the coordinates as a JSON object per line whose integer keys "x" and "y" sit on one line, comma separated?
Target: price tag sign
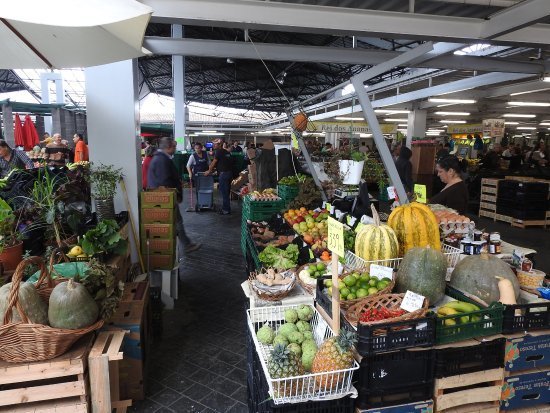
{"x": 359, "y": 226}
{"x": 335, "y": 241}
{"x": 327, "y": 206}
{"x": 420, "y": 191}
{"x": 391, "y": 192}
{"x": 412, "y": 301}
{"x": 350, "y": 220}
{"x": 294, "y": 140}
{"x": 380, "y": 271}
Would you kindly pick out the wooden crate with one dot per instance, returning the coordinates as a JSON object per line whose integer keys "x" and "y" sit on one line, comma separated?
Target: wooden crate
{"x": 477, "y": 392}
{"x": 503, "y": 218}
{"x": 487, "y": 214}
{"x": 104, "y": 376}
{"x": 489, "y": 206}
{"x": 56, "y": 385}
{"x": 489, "y": 198}
{"x": 520, "y": 223}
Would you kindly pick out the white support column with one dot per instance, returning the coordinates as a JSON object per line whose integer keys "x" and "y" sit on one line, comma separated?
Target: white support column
{"x": 112, "y": 107}
{"x": 7, "y": 120}
{"x": 416, "y": 125}
{"x": 45, "y": 79}
{"x": 178, "y": 86}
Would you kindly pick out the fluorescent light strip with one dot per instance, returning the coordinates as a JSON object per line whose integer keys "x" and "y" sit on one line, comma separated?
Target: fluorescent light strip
{"x": 211, "y": 134}
{"x": 365, "y": 135}
{"x": 518, "y": 115}
{"x": 513, "y": 123}
{"x": 452, "y": 121}
{"x": 395, "y": 120}
{"x": 390, "y": 111}
{"x": 526, "y": 127}
{"x": 347, "y": 118}
{"x": 403, "y": 125}
{"x": 209, "y": 131}
{"x": 543, "y": 104}
{"x": 529, "y": 91}
{"x": 436, "y": 130}
{"x": 453, "y": 113}
{"x": 441, "y": 100}
{"x": 544, "y": 124}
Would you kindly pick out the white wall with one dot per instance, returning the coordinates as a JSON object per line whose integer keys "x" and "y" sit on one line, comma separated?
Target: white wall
{"x": 112, "y": 110}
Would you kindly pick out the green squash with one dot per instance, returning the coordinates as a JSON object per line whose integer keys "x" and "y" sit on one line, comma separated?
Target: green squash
{"x": 423, "y": 271}
{"x": 476, "y": 275}
{"x": 71, "y": 306}
{"x": 33, "y": 306}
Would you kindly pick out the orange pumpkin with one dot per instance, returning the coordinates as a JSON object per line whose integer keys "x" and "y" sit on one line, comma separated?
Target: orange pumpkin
{"x": 300, "y": 122}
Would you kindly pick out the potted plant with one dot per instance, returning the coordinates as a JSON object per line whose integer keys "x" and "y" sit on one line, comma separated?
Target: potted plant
{"x": 351, "y": 167}
{"x": 374, "y": 172}
{"x": 11, "y": 244}
{"x": 104, "y": 180}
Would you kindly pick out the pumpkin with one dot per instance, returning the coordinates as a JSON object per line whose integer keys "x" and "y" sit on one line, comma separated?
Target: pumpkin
{"x": 72, "y": 306}
{"x": 376, "y": 242}
{"x": 300, "y": 122}
{"x": 479, "y": 276}
{"x": 416, "y": 226}
{"x": 31, "y": 303}
{"x": 423, "y": 271}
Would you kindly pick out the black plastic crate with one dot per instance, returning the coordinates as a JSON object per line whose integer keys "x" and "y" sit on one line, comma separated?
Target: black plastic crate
{"x": 453, "y": 361}
{"x": 515, "y": 203}
{"x": 529, "y": 317}
{"x": 400, "y": 377}
{"x": 155, "y": 294}
{"x": 526, "y": 187}
{"x": 524, "y": 214}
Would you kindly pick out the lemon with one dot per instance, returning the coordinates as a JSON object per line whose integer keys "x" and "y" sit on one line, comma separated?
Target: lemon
{"x": 76, "y": 250}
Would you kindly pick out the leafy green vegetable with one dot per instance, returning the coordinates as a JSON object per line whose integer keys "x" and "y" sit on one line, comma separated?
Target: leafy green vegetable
{"x": 104, "y": 238}
{"x": 293, "y": 179}
{"x": 278, "y": 258}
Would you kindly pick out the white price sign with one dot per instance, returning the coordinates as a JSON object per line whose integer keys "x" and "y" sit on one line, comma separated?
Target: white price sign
{"x": 379, "y": 271}
{"x": 391, "y": 192}
{"x": 412, "y": 301}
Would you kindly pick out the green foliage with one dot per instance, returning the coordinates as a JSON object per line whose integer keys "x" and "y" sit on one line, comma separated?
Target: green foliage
{"x": 104, "y": 238}
{"x": 293, "y": 180}
{"x": 278, "y": 258}
{"x": 104, "y": 180}
{"x": 357, "y": 156}
{"x": 374, "y": 171}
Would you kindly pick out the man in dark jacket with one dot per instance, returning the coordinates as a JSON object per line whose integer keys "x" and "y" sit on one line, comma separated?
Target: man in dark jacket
{"x": 404, "y": 168}
{"x": 163, "y": 173}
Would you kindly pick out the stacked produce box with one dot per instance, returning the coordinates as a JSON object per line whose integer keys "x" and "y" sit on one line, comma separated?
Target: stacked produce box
{"x": 158, "y": 233}
{"x": 522, "y": 200}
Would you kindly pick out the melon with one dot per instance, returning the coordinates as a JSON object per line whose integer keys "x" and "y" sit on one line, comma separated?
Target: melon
{"x": 72, "y": 306}
{"x": 423, "y": 271}
{"x": 479, "y": 275}
{"x": 376, "y": 242}
{"x": 31, "y": 303}
{"x": 415, "y": 226}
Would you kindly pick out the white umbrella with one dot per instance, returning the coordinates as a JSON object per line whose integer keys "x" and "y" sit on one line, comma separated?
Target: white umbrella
{"x": 70, "y": 33}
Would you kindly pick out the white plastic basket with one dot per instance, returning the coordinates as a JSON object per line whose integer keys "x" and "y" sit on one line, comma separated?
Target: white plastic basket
{"x": 357, "y": 263}
{"x": 319, "y": 386}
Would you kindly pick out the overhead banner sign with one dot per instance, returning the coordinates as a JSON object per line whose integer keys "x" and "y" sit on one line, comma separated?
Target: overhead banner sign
{"x": 465, "y": 128}
{"x": 347, "y": 127}
{"x": 493, "y": 128}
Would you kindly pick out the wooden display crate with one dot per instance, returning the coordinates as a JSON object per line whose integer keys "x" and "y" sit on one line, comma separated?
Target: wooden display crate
{"x": 56, "y": 385}
{"x": 477, "y": 392}
{"x": 488, "y": 197}
{"x": 161, "y": 198}
{"x": 159, "y": 246}
{"x": 156, "y": 231}
{"x": 157, "y": 215}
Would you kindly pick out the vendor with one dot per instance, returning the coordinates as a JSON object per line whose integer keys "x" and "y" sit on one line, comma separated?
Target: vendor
{"x": 455, "y": 193}
{"x": 12, "y": 159}
{"x": 198, "y": 161}
{"x": 57, "y": 152}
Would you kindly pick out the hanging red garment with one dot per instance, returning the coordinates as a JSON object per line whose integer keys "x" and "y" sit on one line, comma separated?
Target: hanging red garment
{"x": 30, "y": 134}
{"x": 18, "y": 132}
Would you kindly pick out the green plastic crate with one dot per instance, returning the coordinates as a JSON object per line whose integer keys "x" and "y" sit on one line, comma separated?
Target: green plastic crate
{"x": 261, "y": 210}
{"x": 288, "y": 193}
{"x": 489, "y": 323}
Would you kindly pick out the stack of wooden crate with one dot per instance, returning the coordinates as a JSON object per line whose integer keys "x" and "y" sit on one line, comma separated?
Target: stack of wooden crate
{"x": 488, "y": 199}
{"x": 158, "y": 233}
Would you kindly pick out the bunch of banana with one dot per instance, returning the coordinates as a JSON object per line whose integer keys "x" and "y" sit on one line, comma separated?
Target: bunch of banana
{"x": 458, "y": 307}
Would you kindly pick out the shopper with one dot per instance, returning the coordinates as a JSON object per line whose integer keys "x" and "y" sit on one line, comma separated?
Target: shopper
{"x": 455, "y": 193}
{"x": 364, "y": 148}
{"x": 149, "y": 152}
{"x": 80, "y": 148}
{"x": 163, "y": 173}
{"x": 222, "y": 163}
{"x": 236, "y": 147}
{"x": 404, "y": 168}
{"x": 198, "y": 161}
{"x": 12, "y": 159}
{"x": 56, "y": 152}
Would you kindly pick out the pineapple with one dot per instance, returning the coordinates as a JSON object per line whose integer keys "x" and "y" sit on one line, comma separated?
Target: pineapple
{"x": 334, "y": 354}
{"x": 284, "y": 363}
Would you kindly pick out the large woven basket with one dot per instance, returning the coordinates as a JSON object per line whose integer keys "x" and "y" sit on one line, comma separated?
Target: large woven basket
{"x": 348, "y": 303}
{"x": 25, "y": 341}
{"x": 389, "y": 301}
{"x": 271, "y": 296}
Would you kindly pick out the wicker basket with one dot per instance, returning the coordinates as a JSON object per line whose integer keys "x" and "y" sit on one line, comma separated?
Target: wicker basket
{"x": 307, "y": 287}
{"x": 271, "y": 296}
{"x": 25, "y": 341}
{"x": 348, "y": 303}
{"x": 389, "y": 301}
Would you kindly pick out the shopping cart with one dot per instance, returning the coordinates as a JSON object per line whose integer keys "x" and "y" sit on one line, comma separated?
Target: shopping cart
{"x": 204, "y": 190}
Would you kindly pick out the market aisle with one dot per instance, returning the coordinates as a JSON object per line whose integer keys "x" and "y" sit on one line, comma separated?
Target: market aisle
{"x": 199, "y": 364}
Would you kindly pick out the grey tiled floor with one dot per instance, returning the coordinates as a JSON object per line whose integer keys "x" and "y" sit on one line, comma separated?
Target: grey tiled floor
{"x": 199, "y": 363}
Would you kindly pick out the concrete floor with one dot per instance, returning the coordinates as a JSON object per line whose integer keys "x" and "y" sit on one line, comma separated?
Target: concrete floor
{"x": 199, "y": 364}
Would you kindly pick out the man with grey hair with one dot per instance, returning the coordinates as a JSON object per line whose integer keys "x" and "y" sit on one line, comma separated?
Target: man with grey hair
{"x": 163, "y": 173}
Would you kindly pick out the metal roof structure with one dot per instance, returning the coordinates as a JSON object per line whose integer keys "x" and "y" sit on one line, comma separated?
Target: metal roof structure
{"x": 264, "y": 55}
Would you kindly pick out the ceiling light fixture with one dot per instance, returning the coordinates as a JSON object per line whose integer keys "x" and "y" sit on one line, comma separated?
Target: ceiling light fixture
{"x": 442, "y": 100}
{"x": 544, "y": 124}
{"x": 390, "y": 111}
{"x": 511, "y": 123}
{"x": 404, "y": 125}
{"x": 395, "y": 120}
{"x": 365, "y": 135}
{"x": 544, "y": 104}
{"x": 209, "y": 131}
{"x": 211, "y": 134}
{"x": 546, "y": 77}
{"x": 348, "y": 118}
{"x": 518, "y": 115}
{"x": 529, "y": 91}
{"x": 526, "y": 127}
{"x": 453, "y": 113}
{"x": 452, "y": 121}
{"x": 436, "y": 130}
